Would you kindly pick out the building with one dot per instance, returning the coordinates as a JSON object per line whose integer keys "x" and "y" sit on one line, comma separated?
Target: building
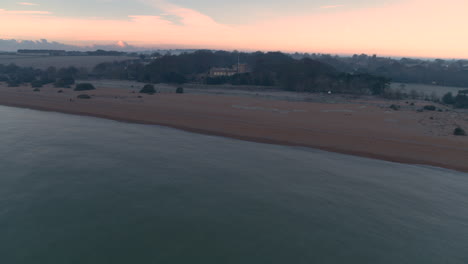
{"x": 235, "y": 69}
{"x": 242, "y": 68}
{"x": 218, "y": 72}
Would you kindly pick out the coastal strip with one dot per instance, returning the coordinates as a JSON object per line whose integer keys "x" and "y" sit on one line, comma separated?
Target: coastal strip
{"x": 361, "y": 130}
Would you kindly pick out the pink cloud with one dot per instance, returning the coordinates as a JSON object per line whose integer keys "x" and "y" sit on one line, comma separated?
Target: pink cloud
{"x": 413, "y": 28}
{"x": 24, "y": 12}
{"x": 27, "y": 4}
{"x": 331, "y": 6}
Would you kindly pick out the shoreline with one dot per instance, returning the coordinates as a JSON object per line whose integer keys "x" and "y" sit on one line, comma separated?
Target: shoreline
{"x": 255, "y": 139}
{"x": 248, "y": 125}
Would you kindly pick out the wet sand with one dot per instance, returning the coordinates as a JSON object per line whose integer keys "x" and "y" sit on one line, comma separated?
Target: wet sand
{"x": 359, "y": 127}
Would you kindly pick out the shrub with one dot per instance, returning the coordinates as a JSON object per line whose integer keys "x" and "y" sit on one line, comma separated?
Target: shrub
{"x": 429, "y": 108}
{"x": 36, "y": 84}
{"x": 13, "y": 84}
{"x": 448, "y": 98}
{"x": 180, "y": 90}
{"x": 395, "y": 107}
{"x": 83, "y": 96}
{"x": 64, "y": 82}
{"x": 459, "y": 132}
{"x": 148, "y": 89}
{"x": 84, "y": 87}
{"x": 45, "y": 81}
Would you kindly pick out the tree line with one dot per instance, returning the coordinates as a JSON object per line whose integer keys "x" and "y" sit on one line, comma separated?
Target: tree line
{"x": 14, "y": 75}
{"x": 405, "y": 70}
{"x": 302, "y": 73}
{"x": 272, "y": 69}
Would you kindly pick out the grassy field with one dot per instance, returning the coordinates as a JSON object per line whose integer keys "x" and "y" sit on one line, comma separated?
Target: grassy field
{"x": 426, "y": 89}
{"x": 43, "y": 62}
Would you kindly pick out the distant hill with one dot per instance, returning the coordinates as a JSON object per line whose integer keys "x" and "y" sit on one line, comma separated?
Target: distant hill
{"x": 12, "y": 45}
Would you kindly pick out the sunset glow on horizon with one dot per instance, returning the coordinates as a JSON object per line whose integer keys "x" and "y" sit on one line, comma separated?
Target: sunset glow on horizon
{"x": 392, "y": 28}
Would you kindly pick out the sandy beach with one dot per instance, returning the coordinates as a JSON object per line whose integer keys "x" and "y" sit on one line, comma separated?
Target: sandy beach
{"x": 363, "y": 127}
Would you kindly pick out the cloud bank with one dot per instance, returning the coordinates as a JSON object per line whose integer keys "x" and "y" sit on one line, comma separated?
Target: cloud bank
{"x": 331, "y": 6}
{"x": 27, "y": 4}
{"x": 409, "y": 28}
{"x": 23, "y": 12}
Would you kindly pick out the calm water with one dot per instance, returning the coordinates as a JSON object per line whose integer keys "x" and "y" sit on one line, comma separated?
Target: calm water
{"x": 86, "y": 190}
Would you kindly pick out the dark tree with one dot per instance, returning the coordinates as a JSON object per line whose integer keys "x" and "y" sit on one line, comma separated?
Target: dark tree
{"x": 429, "y": 108}
{"x": 84, "y": 87}
{"x": 36, "y": 84}
{"x": 448, "y": 99}
{"x": 148, "y": 89}
{"x": 461, "y": 101}
{"x": 65, "y": 82}
{"x": 459, "y": 132}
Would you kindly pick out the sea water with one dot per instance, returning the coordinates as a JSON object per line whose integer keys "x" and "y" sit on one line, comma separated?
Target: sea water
{"x": 79, "y": 189}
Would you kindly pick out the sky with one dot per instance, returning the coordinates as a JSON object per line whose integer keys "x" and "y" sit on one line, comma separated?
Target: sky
{"x": 417, "y": 28}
